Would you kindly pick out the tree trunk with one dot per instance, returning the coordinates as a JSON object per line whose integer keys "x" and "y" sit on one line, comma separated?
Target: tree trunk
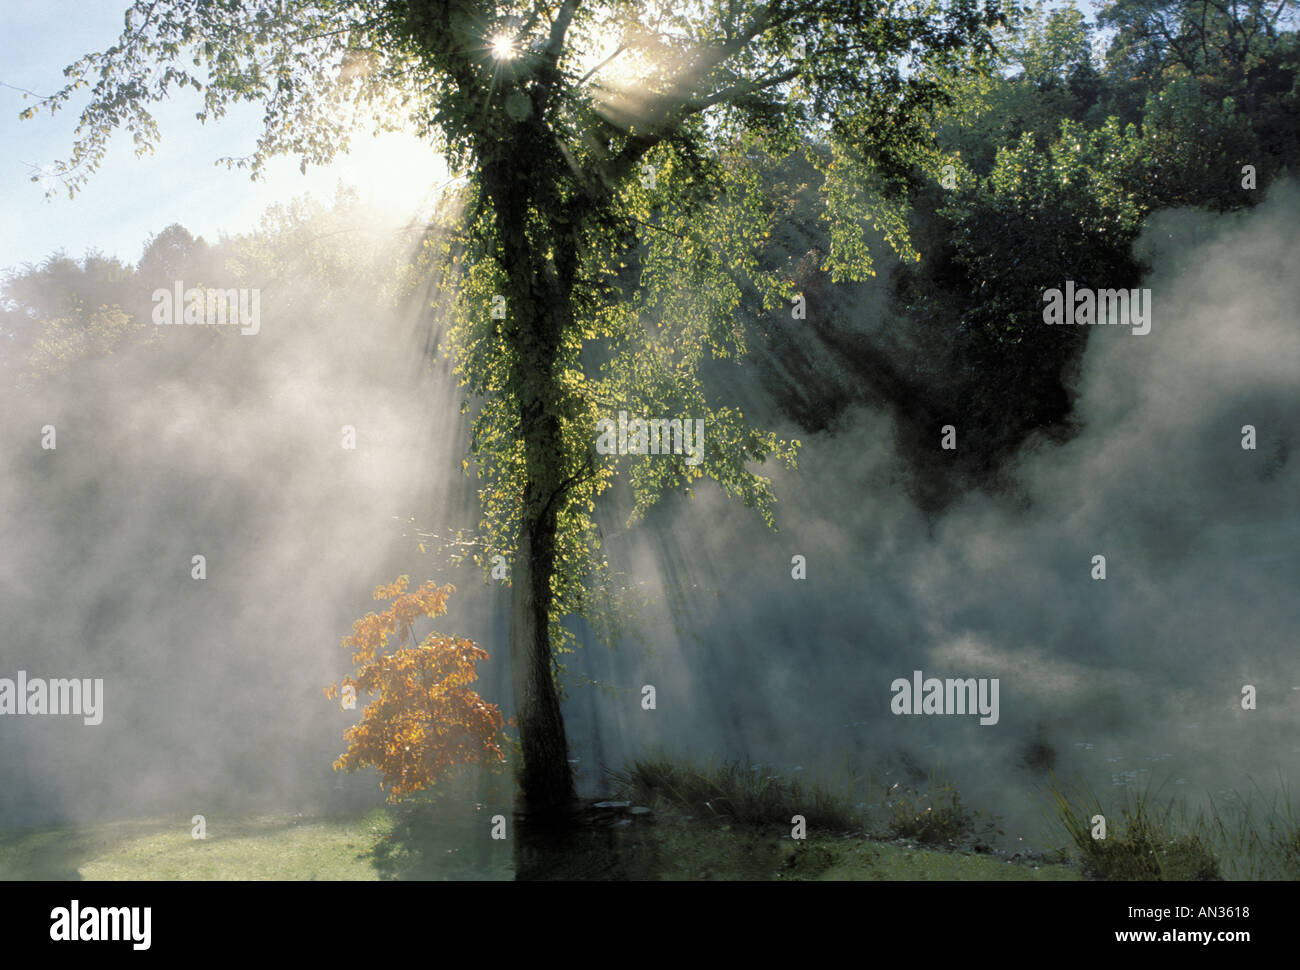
{"x": 546, "y": 780}
{"x": 537, "y": 310}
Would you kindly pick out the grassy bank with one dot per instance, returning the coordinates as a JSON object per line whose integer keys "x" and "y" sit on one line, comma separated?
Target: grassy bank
{"x": 387, "y": 844}
{"x": 673, "y": 820}
{"x": 669, "y": 821}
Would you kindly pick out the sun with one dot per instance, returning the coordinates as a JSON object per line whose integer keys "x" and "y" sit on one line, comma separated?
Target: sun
{"x": 503, "y": 48}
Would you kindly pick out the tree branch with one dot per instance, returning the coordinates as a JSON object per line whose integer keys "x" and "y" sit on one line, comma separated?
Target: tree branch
{"x": 586, "y": 77}
{"x": 560, "y": 27}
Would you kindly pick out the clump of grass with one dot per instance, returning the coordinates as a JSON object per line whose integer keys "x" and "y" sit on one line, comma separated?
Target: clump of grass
{"x": 935, "y": 817}
{"x": 739, "y": 791}
{"x": 1257, "y": 842}
{"x": 1141, "y": 843}
{"x": 1284, "y": 837}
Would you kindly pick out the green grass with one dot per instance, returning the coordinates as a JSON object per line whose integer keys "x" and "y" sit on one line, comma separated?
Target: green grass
{"x": 883, "y": 861}
{"x": 935, "y": 817}
{"x": 724, "y": 821}
{"x": 829, "y": 801}
{"x": 740, "y": 792}
{"x": 1257, "y": 835}
{"x": 258, "y": 847}
{"x": 431, "y": 842}
{"x": 1141, "y": 842}
{"x": 676, "y": 848}
{"x": 1147, "y": 838}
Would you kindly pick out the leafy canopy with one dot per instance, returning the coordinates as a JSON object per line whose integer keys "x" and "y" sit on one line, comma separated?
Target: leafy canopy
{"x": 613, "y": 156}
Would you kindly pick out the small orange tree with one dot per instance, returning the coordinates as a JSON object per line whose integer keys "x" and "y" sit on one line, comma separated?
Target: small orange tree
{"x": 426, "y": 720}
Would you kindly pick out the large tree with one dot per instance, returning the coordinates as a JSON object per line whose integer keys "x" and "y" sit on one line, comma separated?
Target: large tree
{"x": 614, "y": 212}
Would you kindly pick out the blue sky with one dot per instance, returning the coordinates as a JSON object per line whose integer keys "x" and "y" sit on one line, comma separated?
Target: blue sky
{"x": 129, "y": 198}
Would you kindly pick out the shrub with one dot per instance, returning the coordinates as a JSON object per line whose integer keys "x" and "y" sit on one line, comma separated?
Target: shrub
{"x": 426, "y": 720}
